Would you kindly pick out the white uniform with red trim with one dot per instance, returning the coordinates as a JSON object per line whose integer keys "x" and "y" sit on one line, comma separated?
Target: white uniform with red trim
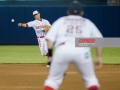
{"x": 38, "y": 27}
{"x": 63, "y": 33}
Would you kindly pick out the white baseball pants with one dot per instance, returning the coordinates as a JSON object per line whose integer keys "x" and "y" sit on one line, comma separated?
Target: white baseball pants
{"x": 43, "y": 46}
{"x": 63, "y": 56}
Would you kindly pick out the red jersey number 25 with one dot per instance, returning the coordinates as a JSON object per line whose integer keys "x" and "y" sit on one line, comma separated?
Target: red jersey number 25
{"x": 74, "y": 29}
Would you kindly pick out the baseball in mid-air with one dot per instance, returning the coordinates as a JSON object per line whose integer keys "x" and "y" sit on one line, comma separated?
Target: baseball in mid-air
{"x": 12, "y": 20}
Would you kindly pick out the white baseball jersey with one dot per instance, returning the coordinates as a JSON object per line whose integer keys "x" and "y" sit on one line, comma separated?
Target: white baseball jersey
{"x": 67, "y": 28}
{"x": 38, "y": 26}
{"x": 63, "y": 33}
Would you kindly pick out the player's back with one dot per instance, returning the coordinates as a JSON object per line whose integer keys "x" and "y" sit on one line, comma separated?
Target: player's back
{"x": 72, "y": 27}
{"x": 66, "y": 29}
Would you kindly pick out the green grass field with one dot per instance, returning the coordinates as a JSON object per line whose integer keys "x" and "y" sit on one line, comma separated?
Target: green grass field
{"x": 31, "y": 54}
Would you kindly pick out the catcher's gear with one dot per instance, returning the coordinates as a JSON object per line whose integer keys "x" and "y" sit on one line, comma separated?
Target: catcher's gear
{"x": 46, "y": 28}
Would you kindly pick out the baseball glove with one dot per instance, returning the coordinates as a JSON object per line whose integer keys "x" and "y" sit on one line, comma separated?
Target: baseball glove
{"x": 46, "y": 28}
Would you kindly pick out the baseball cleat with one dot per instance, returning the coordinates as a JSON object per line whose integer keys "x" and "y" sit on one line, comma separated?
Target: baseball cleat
{"x": 48, "y": 66}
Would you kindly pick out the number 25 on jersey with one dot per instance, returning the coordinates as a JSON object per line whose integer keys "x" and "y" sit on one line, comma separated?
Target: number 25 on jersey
{"x": 71, "y": 29}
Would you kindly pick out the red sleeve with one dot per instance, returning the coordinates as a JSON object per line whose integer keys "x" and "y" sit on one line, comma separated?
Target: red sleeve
{"x": 27, "y": 25}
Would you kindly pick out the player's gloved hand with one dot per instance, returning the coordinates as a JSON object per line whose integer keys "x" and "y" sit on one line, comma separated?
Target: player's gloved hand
{"x": 46, "y": 28}
{"x": 98, "y": 63}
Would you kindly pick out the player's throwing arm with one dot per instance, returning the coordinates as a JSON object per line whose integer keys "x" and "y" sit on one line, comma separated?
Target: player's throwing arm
{"x": 41, "y": 27}
{"x": 22, "y": 25}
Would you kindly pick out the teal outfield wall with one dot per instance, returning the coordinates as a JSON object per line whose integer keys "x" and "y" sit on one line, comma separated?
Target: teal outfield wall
{"x": 106, "y": 18}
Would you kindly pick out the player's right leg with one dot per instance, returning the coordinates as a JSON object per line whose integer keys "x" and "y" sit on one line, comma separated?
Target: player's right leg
{"x": 84, "y": 65}
{"x": 41, "y": 42}
{"x": 41, "y": 47}
{"x": 56, "y": 75}
{"x": 57, "y": 70}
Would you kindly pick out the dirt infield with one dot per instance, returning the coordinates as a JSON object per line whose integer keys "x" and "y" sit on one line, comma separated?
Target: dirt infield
{"x": 32, "y": 76}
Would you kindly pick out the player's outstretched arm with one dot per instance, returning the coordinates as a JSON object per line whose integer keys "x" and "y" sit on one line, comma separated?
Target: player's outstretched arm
{"x": 22, "y": 24}
{"x": 98, "y": 60}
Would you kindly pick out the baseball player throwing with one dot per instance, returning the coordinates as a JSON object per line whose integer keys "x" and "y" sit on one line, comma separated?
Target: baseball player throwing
{"x": 62, "y": 35}
{"x": 41, "y": 27}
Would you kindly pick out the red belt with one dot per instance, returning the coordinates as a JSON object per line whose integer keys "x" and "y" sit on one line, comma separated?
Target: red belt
{"x": 41, "y": 37}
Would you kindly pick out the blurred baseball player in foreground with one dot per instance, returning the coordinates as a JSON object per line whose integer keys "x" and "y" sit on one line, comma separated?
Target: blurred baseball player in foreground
{"x": 41, "y": 27}
{"x": 63, "y": 32}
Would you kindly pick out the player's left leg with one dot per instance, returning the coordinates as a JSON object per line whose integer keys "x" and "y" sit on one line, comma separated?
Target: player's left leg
{"x": 84, "y": 65}
{"x": 46, "y": 51}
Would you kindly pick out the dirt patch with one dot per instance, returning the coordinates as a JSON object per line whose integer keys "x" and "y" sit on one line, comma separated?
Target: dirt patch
{"x": 32, "y": 76}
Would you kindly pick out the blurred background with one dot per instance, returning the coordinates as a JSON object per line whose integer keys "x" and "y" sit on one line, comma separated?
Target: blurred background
{"x": 104, "y": 13}
{"x": 58, "y": 2}
{"x": 20, "y": 45}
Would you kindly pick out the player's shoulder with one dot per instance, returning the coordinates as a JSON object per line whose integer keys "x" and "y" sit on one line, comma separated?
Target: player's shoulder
{"x": 89, "y": 22}
{"x": 44, "y": 20}
{"x": 33, "y": 21}
{"x": 86, "y": 19}
{"x": 62, "y": 18}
